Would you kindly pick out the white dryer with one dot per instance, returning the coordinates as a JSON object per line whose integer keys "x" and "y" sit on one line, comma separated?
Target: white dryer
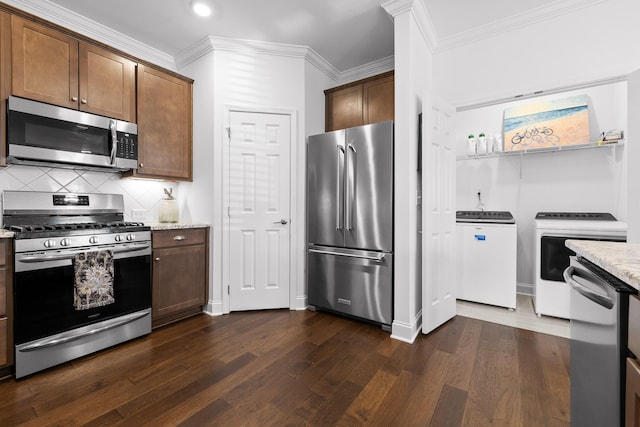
{"x": 551, "y": 293}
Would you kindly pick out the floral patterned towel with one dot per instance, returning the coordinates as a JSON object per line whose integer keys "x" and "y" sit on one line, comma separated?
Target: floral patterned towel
{"x": 93, "y": 280}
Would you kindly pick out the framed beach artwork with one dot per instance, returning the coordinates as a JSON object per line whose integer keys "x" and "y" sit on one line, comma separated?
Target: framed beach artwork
{"x": 547, "y": 124}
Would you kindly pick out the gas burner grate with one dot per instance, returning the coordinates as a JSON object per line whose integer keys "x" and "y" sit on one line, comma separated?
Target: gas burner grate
{"x": 72, "y": 226}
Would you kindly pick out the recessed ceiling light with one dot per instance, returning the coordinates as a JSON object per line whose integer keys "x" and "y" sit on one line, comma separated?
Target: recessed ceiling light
{"x": 201, "y": 8}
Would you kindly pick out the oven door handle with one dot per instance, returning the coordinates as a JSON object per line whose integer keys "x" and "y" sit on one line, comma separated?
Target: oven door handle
{"x": 58, "y": 257}
{"x": 599, "y": 299}
{"x": 64, "y": 338}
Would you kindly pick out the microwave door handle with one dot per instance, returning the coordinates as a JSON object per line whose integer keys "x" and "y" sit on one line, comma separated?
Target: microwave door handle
{"x": 114, "y": 141}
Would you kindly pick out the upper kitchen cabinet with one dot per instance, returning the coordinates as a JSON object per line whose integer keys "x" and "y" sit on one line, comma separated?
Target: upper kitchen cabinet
{"x": 5, "y": 79}
{"x": 164, "y": 125}
{"x": 53, "y": 67}
{"x": 362, "y": 102}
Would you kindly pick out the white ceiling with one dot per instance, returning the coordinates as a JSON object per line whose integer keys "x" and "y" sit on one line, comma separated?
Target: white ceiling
{"x": 347, "y": 33}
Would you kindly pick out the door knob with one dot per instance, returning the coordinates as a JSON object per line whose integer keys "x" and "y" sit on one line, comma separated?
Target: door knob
{"x": 282, "y": 221}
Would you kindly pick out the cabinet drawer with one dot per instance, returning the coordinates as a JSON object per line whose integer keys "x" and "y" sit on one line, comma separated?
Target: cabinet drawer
{"x": 634, "y": 325}
{"x": 183, "y": 237}
{"x": 3, "y": 341}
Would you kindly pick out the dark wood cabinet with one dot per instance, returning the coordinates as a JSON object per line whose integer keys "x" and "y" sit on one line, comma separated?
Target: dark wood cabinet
{"x": 6, "y": 345}
{"x": 53, "y": 67}
{"x": 164, "y": 125}
{"x": 180, "y": 273}
{"x": 362, "y": 102}
{"x": 632, "y": 403}
{"x": 5, "y": 80}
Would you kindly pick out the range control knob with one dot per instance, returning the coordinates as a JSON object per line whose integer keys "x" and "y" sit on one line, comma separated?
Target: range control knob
{"x": 49, "y": 243}
{"x": 65, "y": 242}
{"x": 131, "y": 237}
{"x": 118, "y": 238}
{"x": 93, "y": 239}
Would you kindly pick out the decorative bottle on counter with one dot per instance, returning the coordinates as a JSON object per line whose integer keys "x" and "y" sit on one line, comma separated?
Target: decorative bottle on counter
{"x": 168, "y": 209}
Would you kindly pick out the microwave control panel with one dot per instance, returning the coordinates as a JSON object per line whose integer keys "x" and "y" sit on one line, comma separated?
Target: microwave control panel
{"x": 127, "y": 146}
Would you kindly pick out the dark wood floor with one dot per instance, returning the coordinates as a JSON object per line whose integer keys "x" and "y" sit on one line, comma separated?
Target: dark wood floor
{"x": 304, "y": 368}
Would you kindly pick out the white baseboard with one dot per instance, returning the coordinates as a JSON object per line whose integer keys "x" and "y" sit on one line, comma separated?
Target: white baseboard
{"x": 525, "y": 288}
{"x": 214, "y": 308}
{"x": 406, "y": 332}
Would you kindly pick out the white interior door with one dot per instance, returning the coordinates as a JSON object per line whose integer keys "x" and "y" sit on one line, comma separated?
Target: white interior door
{"x": 259, "y": 170}
{"x": 438, "y": 232}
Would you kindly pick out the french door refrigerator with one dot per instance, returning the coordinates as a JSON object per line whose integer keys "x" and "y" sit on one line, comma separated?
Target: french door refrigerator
{"x": 350, "y": 222}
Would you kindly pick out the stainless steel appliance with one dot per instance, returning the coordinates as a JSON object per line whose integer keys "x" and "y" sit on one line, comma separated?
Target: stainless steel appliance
{"x": 42, "y": 133}
{"x": 350, "y": 222}
{"x": 551, "y": 294}
{"x": 599, "y": 319}
{"x": 52, "y": 232}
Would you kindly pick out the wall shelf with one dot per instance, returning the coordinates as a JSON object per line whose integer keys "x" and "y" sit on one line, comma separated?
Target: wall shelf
{"x": 543, "y": 150}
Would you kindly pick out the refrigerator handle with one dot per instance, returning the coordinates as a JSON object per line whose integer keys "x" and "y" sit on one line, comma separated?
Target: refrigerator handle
{"x": 378, "y": 258}
{"x": 351, "y": 187}
{"x": 340, "y": 189}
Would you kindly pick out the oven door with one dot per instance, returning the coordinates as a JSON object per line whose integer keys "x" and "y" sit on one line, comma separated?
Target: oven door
{"x": 44, "y": 290}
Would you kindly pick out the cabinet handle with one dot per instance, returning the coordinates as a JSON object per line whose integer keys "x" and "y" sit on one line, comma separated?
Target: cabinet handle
{"x": 141, "y": 165}
{"x": 180, "y": 237}
{"x": 158, "y": 259}
{"x": 74, "y": 98}
{"x": 84, "y": 101}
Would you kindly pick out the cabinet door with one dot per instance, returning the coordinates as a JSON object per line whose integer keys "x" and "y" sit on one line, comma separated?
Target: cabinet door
{"x": 164, "y": 125}
{"x": 107, "y": 83}
{"x": 632, "y": 403}
{"x": 378, "y": 100}
{"x": 44, "y": 64}
{"x": 4, "y": 343}
{"x": 178, "y": 279}
{"x": 343, "y": 108}
{"x": 5, "y": 79}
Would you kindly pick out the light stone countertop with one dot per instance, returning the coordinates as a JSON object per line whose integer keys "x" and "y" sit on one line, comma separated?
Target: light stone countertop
{"x": 6, "y": 234}
{"x": 618, "y": 258}
{"x": 157, "y": 226}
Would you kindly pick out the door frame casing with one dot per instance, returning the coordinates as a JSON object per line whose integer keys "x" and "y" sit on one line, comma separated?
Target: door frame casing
{"x": 297, "y": 297}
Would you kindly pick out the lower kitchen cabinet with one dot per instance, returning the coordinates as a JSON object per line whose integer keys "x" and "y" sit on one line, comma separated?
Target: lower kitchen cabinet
{"x": 6, "y": 339}
{"x": 632, "y": 404}
{"x": 180, "y": 273}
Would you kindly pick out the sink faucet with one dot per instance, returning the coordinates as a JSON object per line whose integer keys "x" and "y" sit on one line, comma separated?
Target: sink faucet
{"x": 480, "y": 204}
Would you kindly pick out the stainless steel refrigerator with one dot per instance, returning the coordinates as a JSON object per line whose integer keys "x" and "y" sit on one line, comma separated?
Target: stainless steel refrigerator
{"x": 350, "y": 222}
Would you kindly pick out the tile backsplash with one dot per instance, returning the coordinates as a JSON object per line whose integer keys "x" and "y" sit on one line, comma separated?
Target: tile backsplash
{"x": 141, "y": 195}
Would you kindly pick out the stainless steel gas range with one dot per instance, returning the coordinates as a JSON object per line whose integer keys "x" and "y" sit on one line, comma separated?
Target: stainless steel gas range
{"x": 82, "y": 276}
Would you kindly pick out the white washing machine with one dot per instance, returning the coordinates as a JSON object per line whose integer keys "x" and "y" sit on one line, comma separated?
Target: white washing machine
{"x": 486, "y": 262}
{"x": 551, "y": 293}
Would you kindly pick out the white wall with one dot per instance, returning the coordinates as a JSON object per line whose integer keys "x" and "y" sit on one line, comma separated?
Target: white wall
{"x": 592, "y": 43}
{"x": 588, "y": 180}
{"x": 412, "y": 82}
{"x": 239, "y": 76}
{"x": 633, "y": 160}
{"x": 570, "y": 49}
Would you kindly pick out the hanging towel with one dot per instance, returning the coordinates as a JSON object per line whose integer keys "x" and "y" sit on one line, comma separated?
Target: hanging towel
{"x": 93, "y": 284}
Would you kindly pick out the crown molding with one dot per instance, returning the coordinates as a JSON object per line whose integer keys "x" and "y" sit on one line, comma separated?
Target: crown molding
{"x": 513, "y": 22}
{"x": 425, "y": 25}
{"x": 367, "y": 70}
{"x": 87, "y": 27}
{"x": 211, "y": 43}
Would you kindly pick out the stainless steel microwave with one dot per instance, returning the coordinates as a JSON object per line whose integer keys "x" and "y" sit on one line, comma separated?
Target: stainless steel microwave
{"x": 42, "y": 133}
